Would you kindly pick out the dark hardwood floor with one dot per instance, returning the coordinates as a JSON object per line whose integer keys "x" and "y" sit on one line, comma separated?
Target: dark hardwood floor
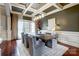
{"x": 72, "y": 51}
{"x": 8, "y": 48}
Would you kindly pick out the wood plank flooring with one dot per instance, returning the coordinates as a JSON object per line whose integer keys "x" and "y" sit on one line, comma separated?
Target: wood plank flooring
{"x": 8, "y": 48}
{"x": 72, "y": 51}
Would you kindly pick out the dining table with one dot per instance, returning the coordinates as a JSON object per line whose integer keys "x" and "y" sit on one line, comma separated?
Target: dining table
{"x": 45, "y": 38}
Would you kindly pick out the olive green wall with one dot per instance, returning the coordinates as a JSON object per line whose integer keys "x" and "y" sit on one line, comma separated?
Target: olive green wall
{"x": 67, "y": 20}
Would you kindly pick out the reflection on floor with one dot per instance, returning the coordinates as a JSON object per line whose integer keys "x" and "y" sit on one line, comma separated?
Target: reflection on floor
{"x": 42, "y": 50}
{"x": 59, "y": 50}
{"x": 10, "y": 48}
{"x": 21, "y": 50}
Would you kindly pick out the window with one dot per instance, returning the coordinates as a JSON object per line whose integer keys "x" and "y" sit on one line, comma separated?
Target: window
{"x": 26, "y": 26}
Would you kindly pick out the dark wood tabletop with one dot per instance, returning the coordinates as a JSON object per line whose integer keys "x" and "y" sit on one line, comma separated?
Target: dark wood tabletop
{"x": 45, "y": 37}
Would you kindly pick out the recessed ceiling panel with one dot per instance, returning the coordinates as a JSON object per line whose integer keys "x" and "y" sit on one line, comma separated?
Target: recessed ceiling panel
{"x": 49, "y": 9}
{"x": 22, "y": 3}
{"x": 17, "y": 9}
{"x": 37, "y": 5}
{"x": 27, "y": 18}
{"x": 63, "y": 4}
{"x": 29, "y": 12}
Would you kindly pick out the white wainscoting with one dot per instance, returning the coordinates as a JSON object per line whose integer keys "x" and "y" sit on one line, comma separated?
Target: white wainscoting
{"x": 69, "y": 37}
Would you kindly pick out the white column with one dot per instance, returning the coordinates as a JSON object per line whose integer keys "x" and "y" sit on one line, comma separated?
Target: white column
{"x": 2, "y": 24}
{"x": 7, "y": 8}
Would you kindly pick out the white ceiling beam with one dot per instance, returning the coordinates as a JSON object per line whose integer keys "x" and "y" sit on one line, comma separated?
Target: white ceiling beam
{"x": 27, "y": 9}
{"x": 58, "y": 6}
{"x": 28, "y": 15}
{"x": 2, "y": 4}
{"x": 54, "y": 11}
{"x": 13, "y": 12}
{"x": 70, "y": 5}
{"x": 34, "y": 10}
{"x": 43, "y": 8}
{"x": 31, "y": 9}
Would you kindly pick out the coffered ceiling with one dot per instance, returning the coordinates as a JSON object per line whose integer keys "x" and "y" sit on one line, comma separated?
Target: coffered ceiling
{"x": 33, "y": 9}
